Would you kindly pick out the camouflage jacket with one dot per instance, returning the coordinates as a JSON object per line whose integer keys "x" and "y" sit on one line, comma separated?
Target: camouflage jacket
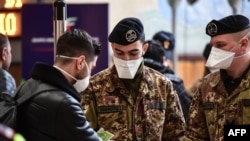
{"x": 155, "y": 115}
{"x": 213, "y": 107}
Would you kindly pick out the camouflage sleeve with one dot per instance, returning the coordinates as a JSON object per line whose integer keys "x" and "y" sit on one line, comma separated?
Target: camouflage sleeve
{"x": 196, "y": 128}
{"x": 191, "y": 90}
{"x": 174, "y": 125}
{"x": 88, "y": 107}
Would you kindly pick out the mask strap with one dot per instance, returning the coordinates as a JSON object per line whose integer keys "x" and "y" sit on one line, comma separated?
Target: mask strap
{"x": 67, "y": 57}
{"x": 87, "y": 67}
{"x": 65, "y": 72}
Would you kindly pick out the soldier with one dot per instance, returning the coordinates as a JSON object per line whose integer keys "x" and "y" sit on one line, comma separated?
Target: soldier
{"x": 223, "y": 96}
{"x": 167, "y": 40}
{"x": 129, "y": 100}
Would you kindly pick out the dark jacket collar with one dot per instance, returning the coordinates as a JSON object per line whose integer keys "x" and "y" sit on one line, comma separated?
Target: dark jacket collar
{"x": 157, "y": 66}
{"x": 52, "y": 76}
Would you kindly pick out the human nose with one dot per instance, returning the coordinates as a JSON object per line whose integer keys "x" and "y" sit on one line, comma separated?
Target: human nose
{"x": 126, "y": 57}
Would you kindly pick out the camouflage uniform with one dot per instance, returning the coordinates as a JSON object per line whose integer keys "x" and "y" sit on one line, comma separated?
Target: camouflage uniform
{"x": 213, "y": 107}
{"x": 155, "y": 115}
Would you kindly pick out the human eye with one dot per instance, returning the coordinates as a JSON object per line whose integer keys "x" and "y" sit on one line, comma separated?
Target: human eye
{"x": 220, "y": 45}
{"x": 134, "y": 53}
{"x": 119, "y": 53}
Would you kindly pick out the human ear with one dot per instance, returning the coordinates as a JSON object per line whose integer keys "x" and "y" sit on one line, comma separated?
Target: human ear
{"x": 144, "y": 48}
{"x": 80, "y": 62}
{"x": 244, "y": 43}
{"x": 4, "y": 53}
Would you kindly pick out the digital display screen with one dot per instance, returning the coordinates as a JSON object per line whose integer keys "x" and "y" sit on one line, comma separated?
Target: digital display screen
{"x": 10, "y": 17}
{"x": 10, "y": 4}
{"x": 10, "y": 23}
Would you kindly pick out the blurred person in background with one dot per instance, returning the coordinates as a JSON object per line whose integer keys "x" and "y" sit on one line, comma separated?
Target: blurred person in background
{"x": 97, "y": 48}
{"x": 7, "y": 82}
{"x": 167, "y": 40}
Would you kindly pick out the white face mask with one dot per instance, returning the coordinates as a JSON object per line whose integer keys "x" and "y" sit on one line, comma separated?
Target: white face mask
{"x": 219, "y": 59}
{"x": 81, "y": 84}
{"x": 127, "y": 69}
{"x": 212, "y": 70}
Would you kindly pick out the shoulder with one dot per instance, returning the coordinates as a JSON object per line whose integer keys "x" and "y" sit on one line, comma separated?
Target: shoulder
{"x": 5, "y": 74}
{"x": 174, "y": 78}
{"x": 7, "y": 82}
{"x": 155, "y": 76}
{"x": 153, "y": 72}
{"x": 209, "y": 81}
{"x": 53, "y": 99}
{"x": 211, "y": 77}
{"x": 45, "y": 92}
{"x": 103, "y": 74}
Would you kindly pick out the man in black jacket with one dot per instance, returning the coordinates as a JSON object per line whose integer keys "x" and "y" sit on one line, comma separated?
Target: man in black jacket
{"x": 154, "y": 58}
{"x": 55, "y": 114}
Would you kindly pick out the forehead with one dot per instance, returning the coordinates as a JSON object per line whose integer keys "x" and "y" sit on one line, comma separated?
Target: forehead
{"x": 224, "y": 38}
{"x": 136, "y": 45}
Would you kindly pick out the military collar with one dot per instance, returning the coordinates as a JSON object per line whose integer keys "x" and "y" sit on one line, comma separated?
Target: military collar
{"x": 226, "y": 78}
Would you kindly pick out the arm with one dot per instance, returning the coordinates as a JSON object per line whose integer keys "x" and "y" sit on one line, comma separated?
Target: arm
{"x": 76, "y": 127}
{"x": 174, "y": 121}
{"x": 196, "y": 129}
{"x": 185, "y": 100}
{"x": 89, "y": 108}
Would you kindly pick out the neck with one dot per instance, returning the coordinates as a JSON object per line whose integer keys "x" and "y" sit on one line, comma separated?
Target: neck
{"x": 68, "y": 76}
{"x": 238, "y": 67}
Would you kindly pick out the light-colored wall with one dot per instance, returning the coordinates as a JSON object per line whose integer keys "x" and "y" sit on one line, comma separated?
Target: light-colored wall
{"x": 119, "y": 9}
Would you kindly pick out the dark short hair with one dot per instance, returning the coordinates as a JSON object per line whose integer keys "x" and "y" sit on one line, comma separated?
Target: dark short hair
{"x": 207, "y": 50}
{"x": 74, "y": 43}
{"x": 97, "y": 46}
{"x": 155, "y": 51}
{"x": 3, "y": 40}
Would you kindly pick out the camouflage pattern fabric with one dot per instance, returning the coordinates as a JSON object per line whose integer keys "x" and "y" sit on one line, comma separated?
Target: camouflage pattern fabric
{"x": 213, "y": 107}
{"x": 155, "y": 115}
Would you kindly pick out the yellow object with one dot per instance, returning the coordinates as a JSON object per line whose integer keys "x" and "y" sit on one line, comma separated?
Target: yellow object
{"x": 18, "y": 137}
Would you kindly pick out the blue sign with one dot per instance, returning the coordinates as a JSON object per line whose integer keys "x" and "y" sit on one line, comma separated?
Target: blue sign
{"x": 37, "y": 32}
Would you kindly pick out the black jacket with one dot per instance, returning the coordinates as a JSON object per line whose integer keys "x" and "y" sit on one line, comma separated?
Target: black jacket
{"x": 55, "y": 114}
